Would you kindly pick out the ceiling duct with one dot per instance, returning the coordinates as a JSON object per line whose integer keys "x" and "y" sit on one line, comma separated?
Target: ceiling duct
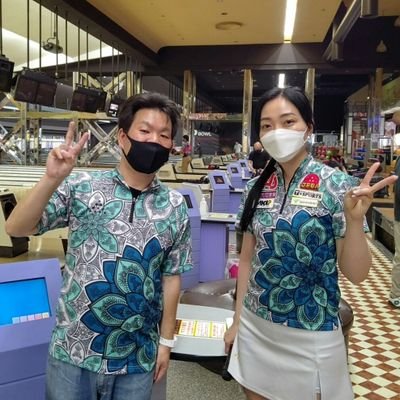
{"x": 340, "y": 33}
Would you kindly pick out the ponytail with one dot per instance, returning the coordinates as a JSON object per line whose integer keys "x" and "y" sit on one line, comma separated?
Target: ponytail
{"x": 254, "y": 195}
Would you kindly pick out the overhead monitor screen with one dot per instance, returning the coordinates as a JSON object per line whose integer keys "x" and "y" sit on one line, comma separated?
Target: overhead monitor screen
{"x": 234, "y": 170}
{"x": 45, "y": 94}
{"x": 188, "y": 201}
{"x": 25, "y": 90}
{"x": 23, "y": 301}
{"x": 113, "y": 109}
{"x": 114, "y": 106}
{"x": 219, "y": 180}
{"x": 78, "y": 102}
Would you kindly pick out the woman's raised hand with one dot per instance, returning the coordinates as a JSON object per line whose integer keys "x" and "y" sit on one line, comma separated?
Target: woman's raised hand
{"x": 358, "y": 200}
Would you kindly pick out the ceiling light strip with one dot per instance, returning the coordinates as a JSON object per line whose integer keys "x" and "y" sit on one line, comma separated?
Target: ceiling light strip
{"x": 290, "y": 17}
{"x": 281, "y": 81}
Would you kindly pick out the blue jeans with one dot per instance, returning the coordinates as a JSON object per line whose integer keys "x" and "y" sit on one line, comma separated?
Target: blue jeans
{"x": 65, "y": 381}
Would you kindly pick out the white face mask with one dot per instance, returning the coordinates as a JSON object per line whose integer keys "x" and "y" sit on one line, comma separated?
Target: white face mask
{"x": 283, "y": 144}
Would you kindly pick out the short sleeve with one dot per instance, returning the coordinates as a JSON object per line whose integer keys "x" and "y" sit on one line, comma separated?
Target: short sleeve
{"x": 179, "y": 258}
{"x": 56, "y": 214}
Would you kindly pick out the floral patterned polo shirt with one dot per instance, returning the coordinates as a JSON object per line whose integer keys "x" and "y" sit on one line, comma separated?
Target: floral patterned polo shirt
{"x": 294, "y": 277}
{"x": 119, "y": 247}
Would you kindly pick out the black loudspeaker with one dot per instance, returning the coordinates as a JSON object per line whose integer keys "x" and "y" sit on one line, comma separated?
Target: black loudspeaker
{"x": 6, "y": 74}
{"x": 88, "y": 99}
{"x": 35, "y": 87}
{"x": 10, "y": 246}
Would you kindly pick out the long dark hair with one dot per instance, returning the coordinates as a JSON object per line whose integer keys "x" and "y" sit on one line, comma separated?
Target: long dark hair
{"x": 298, "y": 98}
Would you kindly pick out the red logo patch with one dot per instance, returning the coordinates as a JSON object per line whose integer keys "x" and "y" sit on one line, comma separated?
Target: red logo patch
{"x": 272, "y": 182}
{"x": 310, "y": 182}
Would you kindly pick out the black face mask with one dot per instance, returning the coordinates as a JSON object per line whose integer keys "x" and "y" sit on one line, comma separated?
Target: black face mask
{"x": 146, "y": 157}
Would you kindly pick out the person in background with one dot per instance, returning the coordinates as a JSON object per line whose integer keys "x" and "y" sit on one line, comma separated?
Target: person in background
{"x": 128, "y": 243}
{"x": 198, "y": 150}
{"x": 299, "y": 219}
{"x": 237, "y": 149}
{"x": 186, "y": 153}
{"x": 258, "y": 159}
{"x": 381, "y": 167}
{"x": 394, "y": 296}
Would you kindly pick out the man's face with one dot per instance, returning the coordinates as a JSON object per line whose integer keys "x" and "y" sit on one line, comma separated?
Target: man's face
{"x": 257, "y": 146}
{"x": 150, "y": 125}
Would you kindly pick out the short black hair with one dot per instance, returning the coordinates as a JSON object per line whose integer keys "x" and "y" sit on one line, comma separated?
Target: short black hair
{"x": 149, "y": 100}
{"x": 186, "y": 137}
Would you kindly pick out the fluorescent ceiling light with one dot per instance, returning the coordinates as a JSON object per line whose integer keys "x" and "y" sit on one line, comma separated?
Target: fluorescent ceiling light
{"x": 281, "y": 81}
{"x": 290, "y": 17}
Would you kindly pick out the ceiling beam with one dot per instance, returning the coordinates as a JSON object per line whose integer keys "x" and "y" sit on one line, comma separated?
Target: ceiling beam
{"x": 339, "y": 33}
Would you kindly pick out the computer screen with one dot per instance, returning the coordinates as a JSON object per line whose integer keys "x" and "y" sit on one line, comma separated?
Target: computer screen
{"x": 45, "y": 94}
{"x": 23, "y": 301}
{"x": 234, "y": 170}
{"x": 113, "y": 110}
{"x": 88, "y": 99}
{"x": 78, "y": 102}
{"x": 63, "y": 96}
{"x": 25, "y": 90}
{"x": 196, "y": 189}
{"x": 114, "y": 106}
{"x": 219, "y": 180}
{"x": 188, "y": 201}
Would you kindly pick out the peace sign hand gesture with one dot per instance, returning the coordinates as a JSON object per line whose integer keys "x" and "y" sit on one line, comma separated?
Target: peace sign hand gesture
{"x": 358, "y": 200}
{"x": 62, "y": 159}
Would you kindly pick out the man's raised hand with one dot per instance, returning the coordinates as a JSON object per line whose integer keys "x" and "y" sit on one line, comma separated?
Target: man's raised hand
{"x": 62, "y": 159}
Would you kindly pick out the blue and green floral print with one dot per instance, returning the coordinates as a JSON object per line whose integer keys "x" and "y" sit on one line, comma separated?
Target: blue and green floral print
{"x": 294, "y": 276}
{"x": 118, "y": 250}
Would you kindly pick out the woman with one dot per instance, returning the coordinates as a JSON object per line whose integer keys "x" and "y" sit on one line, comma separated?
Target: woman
{"x": 299, "y": 218}
{"x": 186, "y": 153}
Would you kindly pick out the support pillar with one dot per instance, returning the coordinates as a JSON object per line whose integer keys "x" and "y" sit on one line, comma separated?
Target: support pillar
{"x": 130, "y": 79}
{"x": 189, "y": 101}
{"x": 24, "y": 132}
{"x": 310, "y": 86}
{"x": 247, "y": 109}
{"x": 137, "y": 83}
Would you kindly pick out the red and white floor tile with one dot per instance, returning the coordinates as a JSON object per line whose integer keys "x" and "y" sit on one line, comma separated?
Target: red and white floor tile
{"x": 374, "y": 350}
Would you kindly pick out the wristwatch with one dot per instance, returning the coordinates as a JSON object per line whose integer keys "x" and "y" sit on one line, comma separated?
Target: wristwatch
{"x": 167, "y": 342}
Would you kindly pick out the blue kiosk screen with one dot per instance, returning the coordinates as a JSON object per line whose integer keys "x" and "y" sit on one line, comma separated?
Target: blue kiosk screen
{"x": 22, "y": 301}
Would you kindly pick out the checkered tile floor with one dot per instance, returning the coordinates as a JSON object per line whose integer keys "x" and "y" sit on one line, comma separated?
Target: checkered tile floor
{"x": 374, "y": 351}
{"x": 374, "y": 348}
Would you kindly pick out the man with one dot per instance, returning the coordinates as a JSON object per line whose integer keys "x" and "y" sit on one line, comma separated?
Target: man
{"x": 394, "y": 297}
{"x": 258, "y": 158}
{"x": 237, "y": 149}
{"x": 129, "y": 240}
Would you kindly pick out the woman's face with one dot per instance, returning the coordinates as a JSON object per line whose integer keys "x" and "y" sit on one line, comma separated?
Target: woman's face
{"x": 280, "y": 113}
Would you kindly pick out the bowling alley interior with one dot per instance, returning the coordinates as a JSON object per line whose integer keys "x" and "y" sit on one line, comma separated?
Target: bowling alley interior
{"x": 64, "y": 60}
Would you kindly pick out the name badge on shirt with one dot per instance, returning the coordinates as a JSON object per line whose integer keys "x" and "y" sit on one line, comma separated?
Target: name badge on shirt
{"x": 306, "y": 198}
